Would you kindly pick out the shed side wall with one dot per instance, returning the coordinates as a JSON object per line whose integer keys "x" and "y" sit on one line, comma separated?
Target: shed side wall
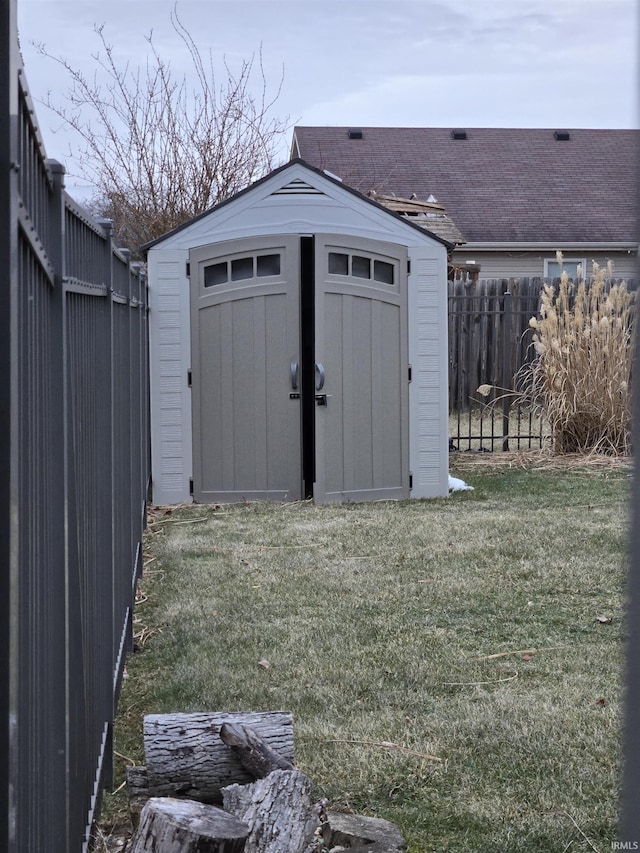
{"x": 428, "y": 391}
{"x": 170, "y": 358}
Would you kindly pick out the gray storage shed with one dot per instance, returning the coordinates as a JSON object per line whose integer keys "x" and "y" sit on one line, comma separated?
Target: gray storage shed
{"x": 298, "y": 348}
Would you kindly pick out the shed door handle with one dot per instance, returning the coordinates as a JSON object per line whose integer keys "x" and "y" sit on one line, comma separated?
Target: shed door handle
{"x": 321, "y": 376}
{"x": 293, "y": 370}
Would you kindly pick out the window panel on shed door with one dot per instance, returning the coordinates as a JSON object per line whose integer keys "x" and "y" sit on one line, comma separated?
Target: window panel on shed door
{"x": 360, "y": 266}
{"x": 267, "y": 265}
{"x": 338, "y": 263}
{"x": 242, "y": 269}
{"x": 363, "y": 266}
{"x": 216, "y": 274}
{"x": 383, "y": 272}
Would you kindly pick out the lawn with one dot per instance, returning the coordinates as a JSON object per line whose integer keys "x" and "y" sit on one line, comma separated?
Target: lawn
{"x": 453, "y": 665}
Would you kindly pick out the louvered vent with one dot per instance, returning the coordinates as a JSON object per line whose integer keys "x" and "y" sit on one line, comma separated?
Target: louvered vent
{"x": 298, "y": 187}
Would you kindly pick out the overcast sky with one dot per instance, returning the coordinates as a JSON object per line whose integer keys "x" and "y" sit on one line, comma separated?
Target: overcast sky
{"x": 438, "y": 63}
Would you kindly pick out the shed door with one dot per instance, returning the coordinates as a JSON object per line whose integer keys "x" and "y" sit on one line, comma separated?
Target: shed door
{"x": 362, "y": 433}
{"x": 299, "y": 365}
{"x": 245, "y": 335}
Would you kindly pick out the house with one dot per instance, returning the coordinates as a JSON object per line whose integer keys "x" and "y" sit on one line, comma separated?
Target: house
{"x": 298, "y": 348}
{"x": 516, "y": 195}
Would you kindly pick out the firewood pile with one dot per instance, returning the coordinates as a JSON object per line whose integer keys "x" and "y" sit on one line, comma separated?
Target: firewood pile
{"x": 227, "y": 783}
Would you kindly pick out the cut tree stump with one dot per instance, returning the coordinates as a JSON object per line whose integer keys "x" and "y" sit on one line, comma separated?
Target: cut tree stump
{"x": 168, "y": 825}
{"x": 279, "y": 810}
{"x": 186, "y": 757}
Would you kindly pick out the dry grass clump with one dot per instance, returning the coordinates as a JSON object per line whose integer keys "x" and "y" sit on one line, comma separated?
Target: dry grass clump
{"x": 581, "y": 379}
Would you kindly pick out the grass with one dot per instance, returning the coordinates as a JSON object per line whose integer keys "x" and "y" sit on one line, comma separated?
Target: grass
{"x": 485, "y": 630}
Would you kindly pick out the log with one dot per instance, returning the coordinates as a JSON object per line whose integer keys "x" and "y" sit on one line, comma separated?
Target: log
{"x": 186, "y": 757}
{"x": 169, "y": 825}
{"x": 355, "y": 831}
{"x": 279, "y": 810}
{"x": 253, "y": 752}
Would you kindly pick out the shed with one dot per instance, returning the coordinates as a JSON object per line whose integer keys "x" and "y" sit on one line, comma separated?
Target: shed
{"x": 298, "y": 349}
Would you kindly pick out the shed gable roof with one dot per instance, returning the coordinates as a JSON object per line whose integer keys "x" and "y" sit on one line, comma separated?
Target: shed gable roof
{"x": 498, "y": 185}
{"x": 297, "y": 178}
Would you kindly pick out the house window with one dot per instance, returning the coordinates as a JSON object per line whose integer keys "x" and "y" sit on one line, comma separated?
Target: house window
{"x": 552, "y": 268}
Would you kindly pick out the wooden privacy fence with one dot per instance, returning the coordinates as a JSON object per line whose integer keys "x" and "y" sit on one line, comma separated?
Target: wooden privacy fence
{"x": 490, "y": 341}
{"x": 74, "y": 475}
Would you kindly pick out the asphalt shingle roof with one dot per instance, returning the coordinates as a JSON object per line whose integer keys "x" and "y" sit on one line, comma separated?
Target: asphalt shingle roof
{"x": 498, "y": 185}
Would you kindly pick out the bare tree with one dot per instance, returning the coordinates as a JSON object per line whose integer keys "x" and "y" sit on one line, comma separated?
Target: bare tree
{"x": 158, "y": 151}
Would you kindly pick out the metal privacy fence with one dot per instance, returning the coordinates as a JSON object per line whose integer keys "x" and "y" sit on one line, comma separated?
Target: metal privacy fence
{"x": 73, "y": 484}
{"x": 490, "y": 341}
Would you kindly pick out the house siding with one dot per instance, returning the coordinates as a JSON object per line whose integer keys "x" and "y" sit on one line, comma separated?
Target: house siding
{"x": 530, "y": 264}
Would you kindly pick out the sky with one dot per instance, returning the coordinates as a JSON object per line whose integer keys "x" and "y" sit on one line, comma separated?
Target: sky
{"x": 397, "y": 63}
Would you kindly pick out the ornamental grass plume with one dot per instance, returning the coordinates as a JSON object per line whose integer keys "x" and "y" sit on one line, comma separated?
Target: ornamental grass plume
{"x": 581, "y": 378}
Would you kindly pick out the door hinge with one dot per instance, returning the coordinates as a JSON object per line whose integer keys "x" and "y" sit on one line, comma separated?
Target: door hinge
{"x": 409, "y": 372}
{"x": 409, "y": 267}
{"x": 188, "y": 270}
{"x": 410, "y": 481}
{"x": 189, "y": 378}
{"x": 191, "y": 487}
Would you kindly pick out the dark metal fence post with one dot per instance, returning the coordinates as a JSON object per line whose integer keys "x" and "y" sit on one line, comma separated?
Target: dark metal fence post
{"x": 8, "y": 287}
{"x": 506, "y": 367}
{"x": 57, "y": 488}
{"x": 107, "y": 226}
{"x": 629, "y": 828}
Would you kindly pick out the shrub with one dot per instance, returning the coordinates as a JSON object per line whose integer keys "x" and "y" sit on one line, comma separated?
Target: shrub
{"x": 581, "y": 377}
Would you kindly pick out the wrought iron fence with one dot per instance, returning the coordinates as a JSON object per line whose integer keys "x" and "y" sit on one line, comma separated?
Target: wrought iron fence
{"x": 73, "y": 484}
